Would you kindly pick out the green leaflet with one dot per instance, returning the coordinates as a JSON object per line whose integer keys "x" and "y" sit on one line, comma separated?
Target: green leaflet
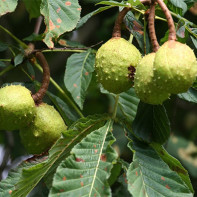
{"x": 86, "y": 172}
{"x": 173, "y": 164}
{"x": 30, "y": 177}
{"x": 148, "y": 175}
{"x": 60, "y": 17}
{"x": 33, "y": 8}
{"x": 151, "y": 123}
{"x": 128, "y": 103}
{"x": 190, "y": 95}
{"x": 78, "y": 75}
{"x": 7, "y": 6}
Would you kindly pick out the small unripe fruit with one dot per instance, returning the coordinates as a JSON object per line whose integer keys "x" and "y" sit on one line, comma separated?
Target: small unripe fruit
{"x": 175, "y": 67}
{"x": 113, "y": 60}
{"x": 145, "y": 86}
{"x": 17, "y": 108}
{"x": 42, "y": 133}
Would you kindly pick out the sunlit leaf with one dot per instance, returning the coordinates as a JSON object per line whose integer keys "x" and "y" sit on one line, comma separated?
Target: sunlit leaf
{"x": 78, "y": 75}
{"x": 31, "y": 177}
{"x": 7, "y": 6}
{"x": 148, "y": 175}
{"x": 86, "y": 172}
{"x": 60, "y": 17}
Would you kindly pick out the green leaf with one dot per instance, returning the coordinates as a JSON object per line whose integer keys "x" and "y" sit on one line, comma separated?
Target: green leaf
{"x": 61, "y": 149}
{"x": 86, "y": 172}
{"x": 190, "y": 3}
{"x": 3, "y": 46}
{"x": 190, "y": 95}
{"x": 33, "y": 8}
{"x": 85, "y": 18}
{"x": 60, "y": 17}
{"x": 177, "y": 6}
{"x": 128, "y": 103}
{"x": 184, "y": 150}
{"x": 113, "y": 3}
{"x": 67, "y": 114}
{"x": 115, "y": 172}
{"x": 173, "y": 164}
{"x": 151, "y": 123}
{"x": 194, "y": 40}
{"x": 136, "y": 3}
{"x": 7, "y": 6}
{"x": 18, "y": 59}
{"x": 137, "y": 29}
{"x": 2, "y": 65}
{"x": 148, "y": 175}
{"x": 78, "y": 75}
{"x": 7, "y": 186}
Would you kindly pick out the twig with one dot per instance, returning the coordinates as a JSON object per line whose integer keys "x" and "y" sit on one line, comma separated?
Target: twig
{"x": 38, "y": 25}
{"x": 117, "y": 27}
{"x": 151, "y": 26}
{"x": 172, "y": 31}
{"x": 46, "y": 78}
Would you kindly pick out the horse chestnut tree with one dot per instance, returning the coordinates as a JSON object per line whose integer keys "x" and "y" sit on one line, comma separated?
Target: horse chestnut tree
{"x": 98, "y": 101}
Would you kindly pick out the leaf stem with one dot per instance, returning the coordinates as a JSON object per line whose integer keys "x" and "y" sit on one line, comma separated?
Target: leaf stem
{"x": 115, "y": 107}
{"x": 5, "y": 60}
{"x": 63, "y": 50}
{"x": 22, "y": 44}
{"x": 61, "y": 91}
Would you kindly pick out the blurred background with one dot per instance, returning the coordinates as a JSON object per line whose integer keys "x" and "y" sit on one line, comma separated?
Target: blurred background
{"x": 183, "y": 115}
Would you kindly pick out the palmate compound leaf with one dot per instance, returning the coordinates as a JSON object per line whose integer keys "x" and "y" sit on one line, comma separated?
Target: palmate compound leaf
{"x": 30, "y": 177}
{"x": 7, "y": 6}
{"x": 85, "y": 173}
{"x": 60, "y": 16}
{"x": 78, "y": 75}
{"x": 149, "y": 176}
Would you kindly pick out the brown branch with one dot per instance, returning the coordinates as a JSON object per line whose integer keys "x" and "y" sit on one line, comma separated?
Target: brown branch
{"x": 45, "y": 81}
{"x": 117, "y": 27}
{"x": 172, "y": 31}
{"x": 145, "y": 2}
{"x": 151, "y": 27}
{"x": 38, "y": 25}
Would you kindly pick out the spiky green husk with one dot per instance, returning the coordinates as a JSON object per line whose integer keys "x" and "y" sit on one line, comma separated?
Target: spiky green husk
{"x": 144, "y": 82}
{"x": 17, "y": 108}
{"x": 112, "y": 62}
{"x": 175, "y": 67}
{"x": 42, "y": 133}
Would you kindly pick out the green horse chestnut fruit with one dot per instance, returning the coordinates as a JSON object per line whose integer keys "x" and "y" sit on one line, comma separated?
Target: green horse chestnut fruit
{"x": 42, "y": 133}
{"x": 145, "y": 86}
{"x": 17, "y": 108}
{"x": 175, "y": 67}
{"x": 113, "y": 62}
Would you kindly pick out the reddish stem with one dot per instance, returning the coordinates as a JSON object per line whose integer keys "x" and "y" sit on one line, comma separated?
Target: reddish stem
{"x": 45, "y": 81}
{"x": 117, "y": 27}
{"x": 172, "y": 31}
{"x": 151, "y": 26}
